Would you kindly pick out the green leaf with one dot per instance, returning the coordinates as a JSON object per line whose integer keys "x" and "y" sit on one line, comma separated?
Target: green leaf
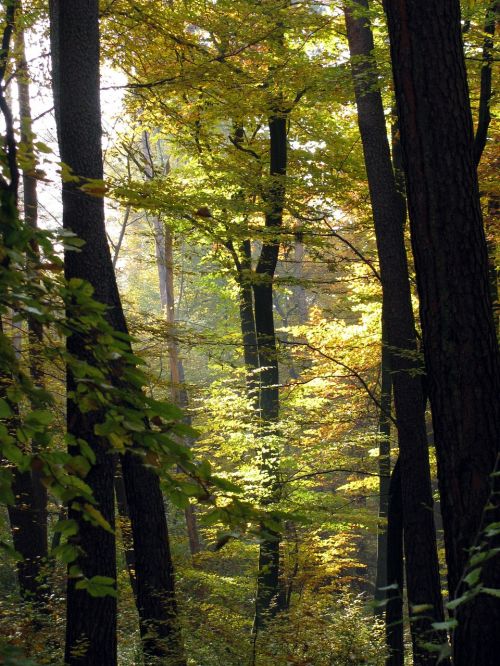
{"x": 98, "y": 586}
{"x": 472, "y": 578}
{"x": 96, "y": 517}
{"x": 66, "y": 552}
{"x": 67, "y": 528}
{"x": 40, "y": 416}
{"x": 5, "y": 410}
{"x": 11, "y": 552}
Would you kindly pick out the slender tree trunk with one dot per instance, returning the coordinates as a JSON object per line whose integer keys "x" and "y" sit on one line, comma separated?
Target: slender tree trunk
{"x": 492, "y": 233}
{"x": 35, "y": 329}
{"x": 24, "y": 525}
{"x": 126, "y": 530}
{"x": 451, "y": 262}
{"x": 483, "y": 123}
{"x": 422, "y": 566}
{"x": 384, "y": 468}
{"x": 75, "y": 52}
{"x": 484, "y": 115}
{"x": 165, "y": 263}
{"x": 268, "y": 600}
{"x": 247, "y": 321}
{"x": 395, "y": 572}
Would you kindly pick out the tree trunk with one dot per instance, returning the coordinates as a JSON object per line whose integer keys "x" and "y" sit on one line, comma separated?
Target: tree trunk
{"x": 268, "y": 600}
{"x": 247, "y": 321}
{"x": 75, "y": 52}
{"x": 395, "y": 577}
{"x": 165, "y": 263}
{"x": 90, "y": 621}
{"x": 484, "y": 114}
{"x": 126, "y": 531}
{"x": 422, "y": 566}
{"x": 451, "y": 264}
{"x": 35, "y": 329}
{"x": 384, "y": 468}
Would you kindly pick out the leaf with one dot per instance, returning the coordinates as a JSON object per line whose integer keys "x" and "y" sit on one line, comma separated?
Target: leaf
{"x": 40, "y": 417}
{"x": 472, "y": 578}
{"x": 225, "y": 484}
{"x": 421, "y": 608}
{"x": 446, "y": 625}
{"x": 97, "y": 518}
{"x": 5, "y": 410}
{"x": 67, "y": 528}
{"x": 98, "y": 586}
{"x": 66, "y": 552}
{"x": 11, "y": 552}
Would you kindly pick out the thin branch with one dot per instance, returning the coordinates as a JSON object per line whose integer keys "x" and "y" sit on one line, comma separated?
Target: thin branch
{"x": 346, "y": 367}
{"x": 334, "y": 470}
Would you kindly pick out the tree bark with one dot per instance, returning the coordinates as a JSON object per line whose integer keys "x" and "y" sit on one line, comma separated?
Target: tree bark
{"x": 394, "y": 626}
{"x": 247, "y": 321}
{"x": 422, "y": 566}
{"x": 90, "y": 621}
{"x": 484, "y": 114}
{"x": 384, "y": 468}
{"x": 268, "y": 600}
{"x": 75, "y": 52}
{"x": 35, "y": 329}
{"x": 451, "y": 264}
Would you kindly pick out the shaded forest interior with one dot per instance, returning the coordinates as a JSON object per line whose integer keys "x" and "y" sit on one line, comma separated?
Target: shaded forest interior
{"x": 249, "y": 314}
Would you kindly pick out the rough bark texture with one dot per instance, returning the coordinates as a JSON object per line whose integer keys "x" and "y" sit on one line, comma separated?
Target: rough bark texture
{"x": 75, "y": 52}
{"x": 422, "y": 567}
{"x": 451, "y": 263}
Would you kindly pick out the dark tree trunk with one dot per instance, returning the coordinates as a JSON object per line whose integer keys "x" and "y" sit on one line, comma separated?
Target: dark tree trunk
{"x": 422, "y": 566}
{"x": 247, "y": 320}
{"x": 395, "y": 576}
{"x": 27, "y": 539}
{"x": 484, "y": 114}
{"x": 483, "y": 123}
{"x": 91, "y": 621}
{"x": 451, "y": 264}
{"x": 269, "y": 599}
{"x": 126, "y": 530}
{"x": 384, "y": 468}
{"x": 75, "y": 52}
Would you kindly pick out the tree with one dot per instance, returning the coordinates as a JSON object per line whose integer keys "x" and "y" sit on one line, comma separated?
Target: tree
{"x": 75, "y": 50}
{"x": 451, "y": 262}
{"x": 389, "y": 213}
